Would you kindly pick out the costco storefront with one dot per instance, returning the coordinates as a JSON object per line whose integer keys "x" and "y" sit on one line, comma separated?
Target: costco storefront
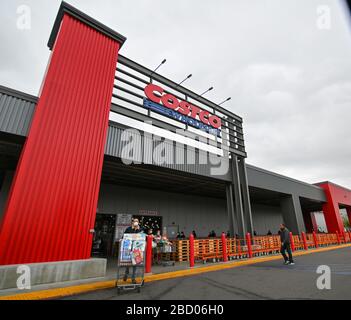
{"x": 109, "y": 139}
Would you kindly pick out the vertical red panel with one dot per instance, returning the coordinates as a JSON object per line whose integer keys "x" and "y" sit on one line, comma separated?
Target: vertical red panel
{"x": 53, "y": 199}
{"x": 335, "y": 195}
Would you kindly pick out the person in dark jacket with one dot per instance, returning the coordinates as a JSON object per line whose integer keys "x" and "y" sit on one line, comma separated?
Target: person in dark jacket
{"x": 285, "y": 241}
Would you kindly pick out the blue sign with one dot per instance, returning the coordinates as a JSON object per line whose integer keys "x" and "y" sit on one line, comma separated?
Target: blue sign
{"x": 148, "y": 104}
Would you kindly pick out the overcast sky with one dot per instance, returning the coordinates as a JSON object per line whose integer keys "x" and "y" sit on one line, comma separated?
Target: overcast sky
{"x": 288, "y": 78}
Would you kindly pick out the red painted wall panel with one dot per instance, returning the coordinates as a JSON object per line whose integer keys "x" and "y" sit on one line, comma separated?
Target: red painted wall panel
{"x": 335, "y": 195}
{"x": 53, "y": 199}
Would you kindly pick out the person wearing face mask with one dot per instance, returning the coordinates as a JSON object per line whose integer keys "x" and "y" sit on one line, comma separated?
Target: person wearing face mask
{"x": 134, "y": 228}
{"x": 285, "y": 241}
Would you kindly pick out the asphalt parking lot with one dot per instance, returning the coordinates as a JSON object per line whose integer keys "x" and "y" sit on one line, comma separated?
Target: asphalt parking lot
{"x": 262, "y": 281}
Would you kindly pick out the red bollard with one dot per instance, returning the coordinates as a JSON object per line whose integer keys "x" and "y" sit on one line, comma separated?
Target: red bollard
{"x": 304, "y": 240}
{"x": 292, "y": 243}
{"x": 148, "y": 255}
{"x": 315, "y": 239}
{"x": 248, "y": 243}
{"x": 191, "y": 251}
{"x": 338, "y": 237}
{"x": 224, "y": 248}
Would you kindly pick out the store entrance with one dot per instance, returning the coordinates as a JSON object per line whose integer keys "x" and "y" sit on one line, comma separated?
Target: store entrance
{"x": 150, "y": 222}
{"x": 104, "y": 235}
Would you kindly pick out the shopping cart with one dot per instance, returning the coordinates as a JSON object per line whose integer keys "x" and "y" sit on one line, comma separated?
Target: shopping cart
{"x": 165, "y": 254}
{"x": 130, "y": 263}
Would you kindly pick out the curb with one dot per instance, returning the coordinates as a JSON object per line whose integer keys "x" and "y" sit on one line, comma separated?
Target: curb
{"x": 84, "y": 288}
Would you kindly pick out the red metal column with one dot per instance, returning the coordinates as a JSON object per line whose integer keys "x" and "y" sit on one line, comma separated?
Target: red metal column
{"x": 315, "y": 239}
{"x": 292, "y": 243}
{"x": 331, "y": 209}
{"x": 52, "y": 204}
{"x": 224, "y": 247}
{"x": 148, "y": 255}
{"x": 249, "y": 246}
{"x": 304, "y": 240}
{"x": 191, "y": 251}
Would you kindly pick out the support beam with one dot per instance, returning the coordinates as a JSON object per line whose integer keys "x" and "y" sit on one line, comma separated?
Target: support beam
{"x": 292, "y": 213}
{"x": 246, "y": 197}
{"x": 239, "y": 212}
{"x": 230, "y": 209}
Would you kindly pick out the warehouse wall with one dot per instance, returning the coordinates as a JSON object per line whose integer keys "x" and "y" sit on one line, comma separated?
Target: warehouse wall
{"x": 266, "y": 218}
{"x": 201, "y": 214}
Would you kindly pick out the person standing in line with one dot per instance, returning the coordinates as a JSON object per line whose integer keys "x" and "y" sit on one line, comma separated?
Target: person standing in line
{"x": 134, "y": 228}
{"x": 285, "y": 245}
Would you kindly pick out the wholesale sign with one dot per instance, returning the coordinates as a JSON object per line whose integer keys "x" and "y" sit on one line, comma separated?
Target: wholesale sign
{"x": 168, "y": 105}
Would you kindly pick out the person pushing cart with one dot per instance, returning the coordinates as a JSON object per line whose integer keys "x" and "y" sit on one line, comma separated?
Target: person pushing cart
{"x": 131, "y": 255}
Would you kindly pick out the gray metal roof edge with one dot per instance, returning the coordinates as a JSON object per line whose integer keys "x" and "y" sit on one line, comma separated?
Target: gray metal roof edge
{"x": 282, "y": 176}
{"x": 81, "y": 16}
{"x": 18, "y": 94}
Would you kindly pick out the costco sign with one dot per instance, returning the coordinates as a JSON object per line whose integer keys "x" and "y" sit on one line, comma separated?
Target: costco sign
{"x": 168, "y": 105}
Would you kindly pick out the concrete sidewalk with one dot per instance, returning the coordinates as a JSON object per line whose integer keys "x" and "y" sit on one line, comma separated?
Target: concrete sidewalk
{"x": 159, "y": 273}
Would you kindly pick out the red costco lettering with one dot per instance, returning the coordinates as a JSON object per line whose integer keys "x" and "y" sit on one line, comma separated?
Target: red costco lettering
{"x": 183, "y": 107}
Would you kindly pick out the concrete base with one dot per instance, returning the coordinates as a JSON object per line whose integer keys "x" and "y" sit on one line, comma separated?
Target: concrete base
{"x": 51, "y": 272}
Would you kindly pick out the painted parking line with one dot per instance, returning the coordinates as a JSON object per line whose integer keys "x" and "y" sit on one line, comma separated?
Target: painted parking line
{"x": 84, "y": 288}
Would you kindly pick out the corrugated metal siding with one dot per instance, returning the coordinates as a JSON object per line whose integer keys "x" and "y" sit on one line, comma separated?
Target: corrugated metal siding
{"x": 15, "y": 114}
{"x": 115, "y": 147}
{"x": 53, "y": 199}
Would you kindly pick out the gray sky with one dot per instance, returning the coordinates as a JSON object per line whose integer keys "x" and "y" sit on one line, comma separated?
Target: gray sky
{"x": 288, "y": 79}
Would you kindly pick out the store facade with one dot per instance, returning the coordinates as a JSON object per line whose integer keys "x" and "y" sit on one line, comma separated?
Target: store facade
{"x": 109, "y": 139}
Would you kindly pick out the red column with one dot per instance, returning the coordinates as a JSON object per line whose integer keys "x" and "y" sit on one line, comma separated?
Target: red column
{"x": 148, "y": 255}
{"x": 191, "y": 251}
{"x": 52, "y": 204}
{"x": 331, "y": 209}
{"x": 248, "y": 243}
{"x": 315, "y": 239}
{"x": 292, "y": 241}
{"x": 304, "y": 240}
{"x": 224, "y": 248}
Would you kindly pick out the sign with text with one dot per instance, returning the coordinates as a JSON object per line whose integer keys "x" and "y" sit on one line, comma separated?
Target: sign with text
{"x": 183, "y": 111}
